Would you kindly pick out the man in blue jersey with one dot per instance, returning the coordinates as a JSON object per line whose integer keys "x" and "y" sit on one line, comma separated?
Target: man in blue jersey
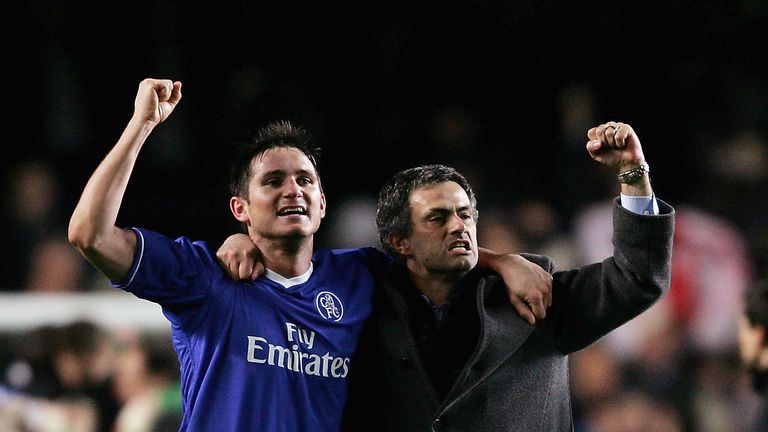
{"x": 269, "y": 354}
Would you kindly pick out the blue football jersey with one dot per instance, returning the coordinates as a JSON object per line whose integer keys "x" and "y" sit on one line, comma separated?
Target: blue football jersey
{"x": 257, "y": 356}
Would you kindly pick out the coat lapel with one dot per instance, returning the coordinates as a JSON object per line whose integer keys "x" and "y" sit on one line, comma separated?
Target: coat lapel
{"x": 394, "y": 325}
{"x": 394, "y": 331}
{"x": 502, "y": 332}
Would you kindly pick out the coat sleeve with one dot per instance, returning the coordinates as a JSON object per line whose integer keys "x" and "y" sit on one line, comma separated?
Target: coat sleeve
{"x": 590, "y": 301}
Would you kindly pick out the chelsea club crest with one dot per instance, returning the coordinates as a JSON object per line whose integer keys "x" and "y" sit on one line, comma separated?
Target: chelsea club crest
{"x": 329, "y": 306}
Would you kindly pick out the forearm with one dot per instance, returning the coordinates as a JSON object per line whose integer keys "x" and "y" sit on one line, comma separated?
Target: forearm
{"x": 485, "y": 258}
{"x": 498, "y": 262}
{"x": 92, "y": 225}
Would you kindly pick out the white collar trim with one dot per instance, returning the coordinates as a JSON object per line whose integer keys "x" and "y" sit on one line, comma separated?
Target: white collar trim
{"x": 288, "y": 282}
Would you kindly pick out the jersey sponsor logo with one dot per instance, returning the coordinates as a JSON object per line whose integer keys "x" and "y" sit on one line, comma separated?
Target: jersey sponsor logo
{"x": 294, "y": 358}
{"x": 329, "y": 305}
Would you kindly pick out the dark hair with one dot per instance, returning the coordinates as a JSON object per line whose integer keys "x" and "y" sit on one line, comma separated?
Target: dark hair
{"x": 756, "y": 303}
{"x": 277, "y": 134}
{"x": 393, "y": 213}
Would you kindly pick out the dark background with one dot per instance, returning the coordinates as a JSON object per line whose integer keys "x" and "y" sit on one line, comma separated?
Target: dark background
{"x": 381, "y": 86}
{"x": 503, "y": 90}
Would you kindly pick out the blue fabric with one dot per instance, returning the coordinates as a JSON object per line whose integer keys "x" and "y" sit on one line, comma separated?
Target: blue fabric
{"x": 640, "y": 204}
{"x": 256, "y": 356}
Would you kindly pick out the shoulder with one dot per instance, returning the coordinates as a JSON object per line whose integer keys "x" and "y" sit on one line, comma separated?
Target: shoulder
{"x": 180, "y": 248}
{"x": 365, "y": 256}
{"x": 365, "y": 259}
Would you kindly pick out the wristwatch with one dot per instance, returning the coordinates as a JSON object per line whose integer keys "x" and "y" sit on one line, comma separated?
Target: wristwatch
{"x": 631, "y": 176}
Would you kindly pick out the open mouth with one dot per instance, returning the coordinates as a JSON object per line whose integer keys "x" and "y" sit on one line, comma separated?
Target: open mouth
{"x": 460, "y": 246}
{"x": 294, "y": 210}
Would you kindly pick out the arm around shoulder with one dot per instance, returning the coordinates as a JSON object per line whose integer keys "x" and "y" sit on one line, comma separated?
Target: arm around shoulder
{"x": 528, "y": 283}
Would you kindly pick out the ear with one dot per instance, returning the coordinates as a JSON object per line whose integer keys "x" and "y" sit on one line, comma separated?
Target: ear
{"x": 322, "y": 205}
{"x": 239, "y": 208}
{"x": 401, "y": 245}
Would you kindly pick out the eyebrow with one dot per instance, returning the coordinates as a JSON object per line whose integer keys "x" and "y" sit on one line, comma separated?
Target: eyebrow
{"x": 283, "y": 173}
{"x": 446, "y": 210}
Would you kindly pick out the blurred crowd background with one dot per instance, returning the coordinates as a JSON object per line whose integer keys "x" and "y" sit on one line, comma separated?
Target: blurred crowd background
{"x": 503, "y": 90}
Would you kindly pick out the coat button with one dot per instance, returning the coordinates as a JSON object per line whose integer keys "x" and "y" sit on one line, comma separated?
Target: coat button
{"x": 437, "y": 425}
{"x": 406, "y": 363}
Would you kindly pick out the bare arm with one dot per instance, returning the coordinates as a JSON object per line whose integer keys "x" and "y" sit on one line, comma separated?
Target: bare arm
{"x": 92, "y": 227}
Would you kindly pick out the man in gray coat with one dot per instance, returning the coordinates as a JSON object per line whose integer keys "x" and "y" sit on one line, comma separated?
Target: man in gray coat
{"x": 444, "y": 350}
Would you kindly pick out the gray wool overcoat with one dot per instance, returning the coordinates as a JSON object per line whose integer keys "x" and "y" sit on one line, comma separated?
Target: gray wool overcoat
{"x": 517, "y": 378}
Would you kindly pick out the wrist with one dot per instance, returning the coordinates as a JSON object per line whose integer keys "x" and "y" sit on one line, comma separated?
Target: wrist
{"x": 634, "y": 173}
{"x": 501, "y": 261}
{"x": 640, "y": 188}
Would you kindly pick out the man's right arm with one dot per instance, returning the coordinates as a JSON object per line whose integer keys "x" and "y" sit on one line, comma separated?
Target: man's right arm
{"x": 92, "y": 228}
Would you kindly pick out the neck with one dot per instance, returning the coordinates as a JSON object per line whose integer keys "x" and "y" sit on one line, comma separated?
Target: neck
{"x": 436, "y": 286}
{"x": 287, "y": 257}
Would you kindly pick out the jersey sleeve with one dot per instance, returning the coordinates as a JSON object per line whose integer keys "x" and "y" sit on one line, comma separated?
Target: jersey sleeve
{"x": 171, "y": 273}
{"x": 376, "y": 260}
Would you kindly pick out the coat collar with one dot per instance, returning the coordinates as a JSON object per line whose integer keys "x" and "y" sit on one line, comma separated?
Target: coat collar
{"x": 502, "y": 330}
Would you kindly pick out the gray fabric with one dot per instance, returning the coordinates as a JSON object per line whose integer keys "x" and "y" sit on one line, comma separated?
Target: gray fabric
{"x": 517, "y": 379}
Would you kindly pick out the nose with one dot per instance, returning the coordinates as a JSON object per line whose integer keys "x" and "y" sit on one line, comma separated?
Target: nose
{"x": 456, "y": 224}
{"x": 292, "y": 189}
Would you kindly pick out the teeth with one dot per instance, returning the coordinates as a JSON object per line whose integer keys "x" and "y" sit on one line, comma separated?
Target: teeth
{"x": 292, "y": 210}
